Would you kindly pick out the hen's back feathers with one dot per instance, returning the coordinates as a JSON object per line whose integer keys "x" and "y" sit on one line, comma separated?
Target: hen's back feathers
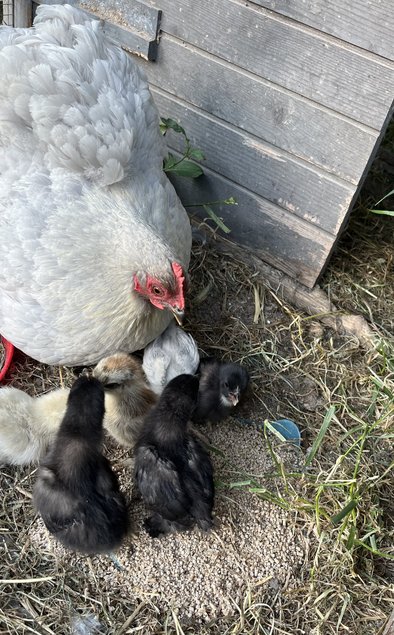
{"x": 64, "y": 87}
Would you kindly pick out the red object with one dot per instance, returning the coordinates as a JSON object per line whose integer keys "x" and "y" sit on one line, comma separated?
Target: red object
{"x": 9, "y": 353}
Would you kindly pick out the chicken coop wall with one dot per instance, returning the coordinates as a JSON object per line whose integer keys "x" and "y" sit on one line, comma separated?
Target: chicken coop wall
{"x": 287, "y": 100}
{"x": 16, "y": 13}
{"x": 7, "y": 13}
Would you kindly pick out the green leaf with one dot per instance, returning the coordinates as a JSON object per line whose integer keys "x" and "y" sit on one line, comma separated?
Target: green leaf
{"x": 185, "y": 168}
{"x": 274, "y": 431}
{"x": 351, "y": 538}
{"x": 230, "y": 201}
{"x": 196, "y": 154}
{"x": 345, "y": 511}
{"x": 317, "y": 442}
{"x": 386, "y": 212}
{"x": 169, "y": 162}
{"x": 239, "y": 484}
{"x": 216, "y": 219}
{"x": 173, "y": 125}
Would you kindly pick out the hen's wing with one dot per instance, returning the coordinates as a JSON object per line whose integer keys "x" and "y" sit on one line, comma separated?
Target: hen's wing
{"x": 185, "y": 353}
{"x": 171, "y": 354}
{"x": 155, "y": 365}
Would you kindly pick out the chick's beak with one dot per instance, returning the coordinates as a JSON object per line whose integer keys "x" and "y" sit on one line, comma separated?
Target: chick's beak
{"x": 178, "y": 314}
{"x": 234, "y": 397}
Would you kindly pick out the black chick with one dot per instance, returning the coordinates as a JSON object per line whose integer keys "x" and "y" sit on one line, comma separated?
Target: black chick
{"x": 77, "y": 493}
{"x": 173, "y": 471}
{"x": 221, "y": 388}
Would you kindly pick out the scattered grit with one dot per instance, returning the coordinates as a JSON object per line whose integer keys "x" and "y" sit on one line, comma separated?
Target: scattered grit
{"x": 201, "y": 575}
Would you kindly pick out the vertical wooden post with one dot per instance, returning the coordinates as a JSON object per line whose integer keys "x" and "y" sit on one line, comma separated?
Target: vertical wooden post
{"x": 23, "y": 11}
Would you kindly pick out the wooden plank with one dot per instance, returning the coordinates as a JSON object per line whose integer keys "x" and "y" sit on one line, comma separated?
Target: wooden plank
{"x": 273, "y": 234}
{"x": 289, "y": 123}
{"x": 22, "y": 13}
{"x": 368, "y": 24}
{"x": 140, "y": 34}
{"x": 285, "y": 53}
{"x": 276, "y": 176}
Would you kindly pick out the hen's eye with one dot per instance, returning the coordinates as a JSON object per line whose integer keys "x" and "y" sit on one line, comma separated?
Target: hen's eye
{"x": 157, "y": 291}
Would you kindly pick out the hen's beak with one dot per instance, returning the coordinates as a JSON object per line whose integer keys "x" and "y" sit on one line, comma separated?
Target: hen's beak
{"x": 178, "y": 314}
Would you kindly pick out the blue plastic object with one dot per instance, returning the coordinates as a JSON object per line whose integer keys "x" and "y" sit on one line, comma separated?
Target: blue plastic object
{"x": 288, "y": 429}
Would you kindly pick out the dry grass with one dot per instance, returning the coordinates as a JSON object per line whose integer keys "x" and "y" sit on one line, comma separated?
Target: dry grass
{"x": 339, "y": 499}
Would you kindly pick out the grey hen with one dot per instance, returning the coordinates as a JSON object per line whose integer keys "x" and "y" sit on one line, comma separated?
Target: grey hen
{"x": 77, "y": 493}
{"x": 173, "y": 471}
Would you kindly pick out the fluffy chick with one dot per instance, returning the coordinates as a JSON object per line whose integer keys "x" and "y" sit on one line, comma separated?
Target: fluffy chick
{"x": 77, "y": 493}
{"x": 221, "y": 388}
{"x": 128, "y": 398}
{"x": 171, "y": 354}
{"x": 172, "y": 469}
{"x": 28, "y": 424}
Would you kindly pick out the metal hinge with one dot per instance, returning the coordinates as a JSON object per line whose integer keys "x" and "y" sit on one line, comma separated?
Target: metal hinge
{"x": 131, "y": 24}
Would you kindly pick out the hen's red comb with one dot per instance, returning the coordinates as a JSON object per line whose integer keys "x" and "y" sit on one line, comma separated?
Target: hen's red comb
{"x": 180, "y": 278}
{"x": 9, "y": 353}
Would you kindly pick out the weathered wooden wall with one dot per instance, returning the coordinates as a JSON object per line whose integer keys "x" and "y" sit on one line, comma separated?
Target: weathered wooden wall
{"x": 287, "y": 100}
{"x": 288, "y": 108}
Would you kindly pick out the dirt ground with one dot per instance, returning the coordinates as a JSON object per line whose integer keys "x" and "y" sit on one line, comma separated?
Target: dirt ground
{"x": 303, "y": 539}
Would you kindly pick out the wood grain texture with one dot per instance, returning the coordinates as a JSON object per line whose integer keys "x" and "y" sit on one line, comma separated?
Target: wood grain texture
{"x": 368, "y": 24}
{"x": 276, "y": 176}
{"x": 292, "y": 124}
{"x": 287, "y": 242}
{"x": 22, "y": 13}
{"x": 285, "y": 53}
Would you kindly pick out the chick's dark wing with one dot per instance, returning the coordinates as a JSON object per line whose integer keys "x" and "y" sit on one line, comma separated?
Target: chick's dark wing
{"x": 206, "y": 364}
{"x": 58, "y": 507}
{"x": 200, "y": 466}
{"x": 208, "y": 403}
{"x": 160, "y": 485}
{"x": 107, "y": 482}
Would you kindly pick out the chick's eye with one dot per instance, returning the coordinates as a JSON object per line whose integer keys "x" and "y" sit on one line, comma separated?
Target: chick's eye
{"x": 157, "y": 291}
